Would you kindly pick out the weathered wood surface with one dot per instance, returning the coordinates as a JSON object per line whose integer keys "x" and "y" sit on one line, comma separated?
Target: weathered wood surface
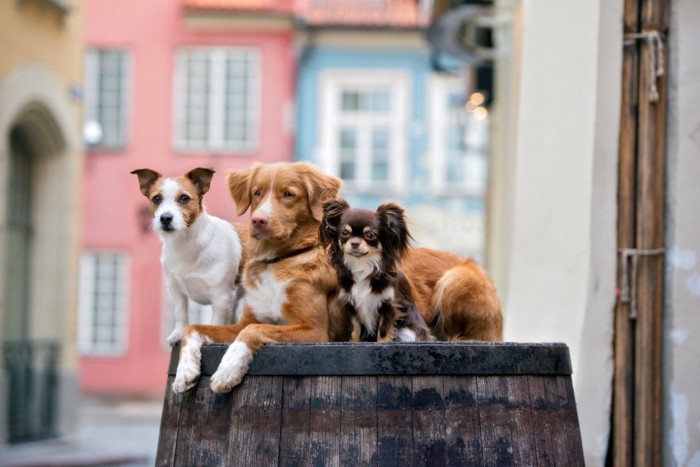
{"x": 636, "y": 422}
{"x": 457, "y": 404}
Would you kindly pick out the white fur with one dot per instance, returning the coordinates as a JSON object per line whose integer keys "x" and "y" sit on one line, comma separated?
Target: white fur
{"x": 265, "y": 208}
{"x": 363, "y": 299}
{"x": 367, "y": 303}
{"x": 233, "y": 367}
{"x": 188, "y": 368}
{"x": 169, "y": 190}
{"x": 200, "y": 262}
{"x": 405, "y": 335}
{"x": 267, "y": 297}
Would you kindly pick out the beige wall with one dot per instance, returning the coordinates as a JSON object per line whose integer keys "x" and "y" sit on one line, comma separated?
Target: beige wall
{"x": 31, "y": 31}
{"x": 556, "y": 248}
{"x": 41, "y": 56}
{"x": 682, "y": 311}
{"x": 558, "y": 219}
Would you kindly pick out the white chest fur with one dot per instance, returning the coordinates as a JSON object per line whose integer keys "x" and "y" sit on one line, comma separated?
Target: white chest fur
{"x": 203, "y": 260}
{"x": 367, "y": 303}
{"x": 266, "y": 297}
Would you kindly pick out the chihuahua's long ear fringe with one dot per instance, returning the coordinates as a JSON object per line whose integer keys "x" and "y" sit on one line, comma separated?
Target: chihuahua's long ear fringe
{"x": 394, "y": 231}
{"x": 332, "y": 211}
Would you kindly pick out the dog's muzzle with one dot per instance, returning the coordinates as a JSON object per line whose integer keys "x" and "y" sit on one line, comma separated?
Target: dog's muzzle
{"x": 166, "y": 221}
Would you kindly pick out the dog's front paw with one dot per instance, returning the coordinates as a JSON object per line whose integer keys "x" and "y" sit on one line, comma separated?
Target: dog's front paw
{"x": 188, "y": 370}
{"x": 175, "y": 336}
{"x": 232, "y": 368}
{"x": 181, "y": 385}
{"x": 406, "y": 335}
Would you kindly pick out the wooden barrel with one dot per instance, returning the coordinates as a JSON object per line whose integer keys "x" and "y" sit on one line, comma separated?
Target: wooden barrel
{"x": 346, "y": 404}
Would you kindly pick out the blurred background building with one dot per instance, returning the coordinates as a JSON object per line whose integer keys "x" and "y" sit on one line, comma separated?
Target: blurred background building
{"x": 193, "y": 89}
{"x": 222, "y": 84}
{"x": 500, "y": 125}
{"x": 41, "y": 161}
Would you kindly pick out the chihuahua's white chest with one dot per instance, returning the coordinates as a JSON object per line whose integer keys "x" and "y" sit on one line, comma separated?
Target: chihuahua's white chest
{"x": 367, "y": 303}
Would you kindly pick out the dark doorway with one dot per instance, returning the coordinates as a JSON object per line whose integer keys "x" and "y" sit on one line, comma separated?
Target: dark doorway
{"x": 31, "y": 365}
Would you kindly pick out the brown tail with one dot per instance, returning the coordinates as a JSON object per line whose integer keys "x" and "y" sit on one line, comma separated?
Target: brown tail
{"x": 466, "y": 305}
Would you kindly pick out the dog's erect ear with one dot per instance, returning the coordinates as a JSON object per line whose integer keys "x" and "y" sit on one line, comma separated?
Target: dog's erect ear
{"x": 394, "y": 233}
{"x": 320, "y": 188}
{"x": 201, "y": 177}
{"x": 147, "y": 178}
{"x": 239, "y": 186}
{"x": 332, "y": 212}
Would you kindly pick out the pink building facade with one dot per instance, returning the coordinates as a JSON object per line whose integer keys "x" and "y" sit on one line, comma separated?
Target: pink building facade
{"x": 169, "y": 87}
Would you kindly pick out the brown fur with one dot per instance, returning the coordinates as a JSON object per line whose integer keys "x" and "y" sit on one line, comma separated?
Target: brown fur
{"x": 455, "y": 296}
{"x": 299, "y": 189}
{"x": 195, "y": 185}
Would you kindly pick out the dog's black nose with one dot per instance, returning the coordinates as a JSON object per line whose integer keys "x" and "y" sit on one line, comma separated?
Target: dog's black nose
{"x": 166, "y": 219}
{"x": 355, "y": 244}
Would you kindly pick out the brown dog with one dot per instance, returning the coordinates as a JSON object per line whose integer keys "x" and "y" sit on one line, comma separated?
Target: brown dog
{"x": 289, "y": 282}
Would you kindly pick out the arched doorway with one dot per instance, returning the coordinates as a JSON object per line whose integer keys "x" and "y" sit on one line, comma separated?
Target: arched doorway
{"x": 31, "y": 360}
{"x": 18, "y": 236}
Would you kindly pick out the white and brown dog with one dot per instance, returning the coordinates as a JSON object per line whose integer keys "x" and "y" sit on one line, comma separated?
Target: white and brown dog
{"x": 289, "y": 281}
{"x": 202, "y": 255}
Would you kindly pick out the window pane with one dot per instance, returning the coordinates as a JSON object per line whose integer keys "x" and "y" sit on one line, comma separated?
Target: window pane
{"x": 105, "y": 97}
{"x": 237, "y": 93}
{"x": 102, "y": 321}
{"x": 348, "y": 153}
{"x": 219, "y": 108}
{"x": 455, "y": 151}
{"x": 381, "y": 101}
{"x": 196, "y": 98}
{"x": 465, "y": 146}
{"x": 350, "y": 100}
{"x": 380, "y": 154}
{"x": 367, "y": 132}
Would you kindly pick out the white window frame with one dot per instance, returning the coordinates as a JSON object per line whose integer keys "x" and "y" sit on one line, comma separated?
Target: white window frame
{"x": 88, "y": 342}
{"x": 215, "y": 141}
{"x": 93, "y": 95}
{"x": 332, "y": 82}
{"x": 440, "y": 87}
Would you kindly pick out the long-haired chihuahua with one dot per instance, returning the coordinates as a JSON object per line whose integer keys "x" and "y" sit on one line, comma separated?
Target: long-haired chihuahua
{"x": 365, "y": 248}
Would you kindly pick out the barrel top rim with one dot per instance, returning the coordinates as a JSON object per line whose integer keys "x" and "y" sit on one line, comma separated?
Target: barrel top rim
{"x": 419, "y": 358}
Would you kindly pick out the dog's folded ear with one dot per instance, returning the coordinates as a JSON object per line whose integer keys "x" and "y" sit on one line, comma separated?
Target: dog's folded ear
{"x": 239, "y": 187}
{"x": 320, "y": 188}
{"x": 332, "y": 212}
{"x": 394, "y": 229}
{"x": 201, "y": 178}
{"x": 147, "y": 178}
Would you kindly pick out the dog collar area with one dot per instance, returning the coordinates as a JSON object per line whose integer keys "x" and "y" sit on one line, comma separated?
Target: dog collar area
{"x": 289, "y": 254}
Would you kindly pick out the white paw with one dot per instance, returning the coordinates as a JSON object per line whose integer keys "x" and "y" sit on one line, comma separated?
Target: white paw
{"x": 232, "y": 368}
{"x": 175, "y": 336}
{"x": 405, "y": 335}
{"x": 188, "y": 370}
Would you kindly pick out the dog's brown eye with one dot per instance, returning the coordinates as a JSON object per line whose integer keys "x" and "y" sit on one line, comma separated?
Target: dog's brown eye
{"x": 157, "y": 199}
{"x": 184, "y": 199}
{"x": 256, "y": 193}
{"x": 370, "y": 236}
{"x": 288, "y": 194}
{"x": 345, "y": 234}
